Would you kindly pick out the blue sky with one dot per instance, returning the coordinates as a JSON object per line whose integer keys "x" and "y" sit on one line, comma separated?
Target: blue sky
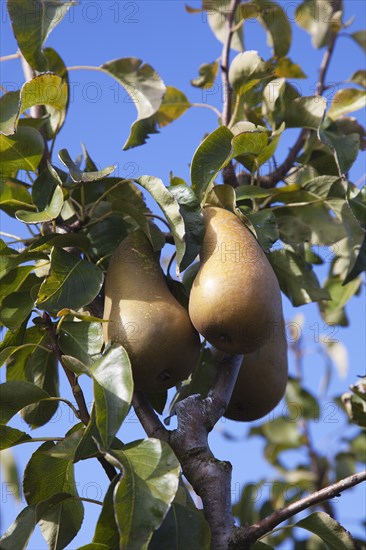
{"x": 176, "y": 43}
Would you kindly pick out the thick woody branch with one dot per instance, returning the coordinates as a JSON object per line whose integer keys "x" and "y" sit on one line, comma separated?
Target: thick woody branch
{"x": 244, "y": 537}
{"x": 210, "y": 478}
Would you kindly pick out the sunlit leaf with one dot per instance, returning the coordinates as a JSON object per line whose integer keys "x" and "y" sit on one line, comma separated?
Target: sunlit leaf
{"x": 346, "y": 101}
{"x": 20, "y": 152}
{"x": 72, "y": 282}
{"x": 207, "y": 75}
{"x": 246, "y": 70}
{"x": 329, "y": 530}
{"x": 217, "y": 11}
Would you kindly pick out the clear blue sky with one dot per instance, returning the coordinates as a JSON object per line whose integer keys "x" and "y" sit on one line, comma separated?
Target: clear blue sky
{"x": 175, "y": 43}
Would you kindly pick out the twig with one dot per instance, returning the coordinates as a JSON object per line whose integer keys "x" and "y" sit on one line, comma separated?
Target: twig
{"x": 244, "y": 537}
{"x": 207, "y": 106}
{"x": 82, "y": 413}
{"x": 10, "y": 56}
{"x": 277, "y": 175}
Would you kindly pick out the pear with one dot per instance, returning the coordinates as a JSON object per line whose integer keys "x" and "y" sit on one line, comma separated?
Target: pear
{"x": 261, "y": 381}
{"x": 146, "y": 319}
{"x": 235, "y": 297}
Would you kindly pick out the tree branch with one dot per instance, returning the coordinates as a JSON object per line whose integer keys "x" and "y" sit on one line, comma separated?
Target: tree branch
{"x": 244, "y": 537}
{"x": 279, "y": 174}
{"x": 210, "y": 478}
{"x": 82, "y": 412}
{"x": 228, "y": 172}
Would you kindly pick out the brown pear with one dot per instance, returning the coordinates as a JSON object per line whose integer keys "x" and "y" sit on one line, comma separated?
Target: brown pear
{"x": 146, "y": 319}
{"x": 262, "y": 380}
{"x": 235, "y": 298}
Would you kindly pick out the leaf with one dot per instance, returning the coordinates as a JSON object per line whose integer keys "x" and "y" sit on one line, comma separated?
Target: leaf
{"x": 47, "y": 196}
{"x": 265, "y": 225}
{"x": 358, "y": 205}
{"x": 359, "y": 77}
{"x": 78, "y": 175}
{"x": 10, "y": 474}
{"x": 332, "y": 311}
{"x": 273, "y": 18}
{"x": 359, "y": 265}
{"x": 72, "y": 282}
{"x": 20, "y": 531}
{"x": 296, "y": 278}
{"x": 44, "y": 477}
{"x": 32, "y": 23}
{"x": 17, "y": 306}
{"x": 282, "y": 103}
{"x": 46, "y": 89}
{"x": 346, "y": 101}
{"x": 14, "y": 195}
{"x": 66, "y": 448}
{"x": 113, "y": 390}
{"x": 305, "y": 404}
{"x": 244, "y": 192}
{"x": 338, "y": 354}
{"x": 286, "y": 68}
{"x": 17, "y": 394}
{"x": 20, "y": 152}
{"x": 280, "y": 431}
{"x": 9, "y": 437}
{"x": 246, "y": 70}
{"x": 209, "y": 159}
{"x": 106, "y": 530}
{"x": 193, "y": 221}
{"x": 173, "y": 532}
{"x": 344, "y": 148}
{"x": 47, "y": 242}
{"x": 360, "y": 38}
{"x": 82, "y": 340}
{"x": 315, "y": 16}
{"x": 329, "y": 530}
{"x": 217, "y": 11}
{"x": 144, "y": 86}
{"x": 173, "y": 105}
{"x": 207, "y": 75}
{"x": 143, "y": 496}
{"x": 170, "y": 207}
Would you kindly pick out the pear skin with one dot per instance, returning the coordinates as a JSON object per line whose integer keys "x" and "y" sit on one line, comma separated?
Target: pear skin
{"x": 146, "y": 319}
{"x": 235, "y": 298}
{"x": 261, "y": 381}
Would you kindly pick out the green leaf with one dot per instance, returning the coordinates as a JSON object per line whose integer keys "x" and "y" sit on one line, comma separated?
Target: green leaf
{"x": 173, "y": 105}
{"x": 45, "y": 89}
{"x": 46, "y": 242}
{"x": 20, "y": 531}
{"x": 13, "y": 280}
{"x": 346, "y": 101}
{"x": 360, "y": 38}
{"x": 273, "y": 18}
{"x": 282, "y": 103}
{"x": 44, "y": 477}
{"x": 306, "y": 404}
{"x": 32, "y": 23}
{"x": 171, "y": 210}
{"x": 14, "y": 195}
{"x": 359, "y": 265}
{"x": 47, "y": 196}
{"x": 66, "y": 449}
{"x": 280, "y": 431}
{"x": 174, "y": 534}
{"x": 78, "y": 175}
{"x": 9, "y": 437}
{"x": 246, "y": 70}
{"x": 95, "y": 546}
{"x": 286, "y": 68}
{"x": 106, "y": 530}
{"x": 359, "y": 77}
{"x": 82, "y": 340}
{"x": 217, "y": 11}
{"x": 10, "y": 474}
{"x": 113, "y": 390}
{"x": 329, "y": 530}
{"x": 315, "y": 16}
{"x": 193, "y": 221}
{"x": 332, "y": 311}
{"x": 143, "y": 496}
{"x": 244, "y": 192}
{"x": 344, "y": 148}
{"x": 144, "y": 86}
{"x": 358, "y": 447}
{"x": 345, "y": 465}
{"x": 20, "y": 152}
{"x": 17, "y": 394}
{"x": 16, "y": 307}
{"x": 72, "y": 282}
{"x": 296, "y": 278}
{"x": 209, "y": 159}
{"x": 207, "y": 75}
{"x": 358, "y": 206}
{"x": 265, "y": 225}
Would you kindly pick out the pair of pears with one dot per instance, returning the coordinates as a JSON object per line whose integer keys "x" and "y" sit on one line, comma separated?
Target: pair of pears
{"x": 235, "y": 304}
